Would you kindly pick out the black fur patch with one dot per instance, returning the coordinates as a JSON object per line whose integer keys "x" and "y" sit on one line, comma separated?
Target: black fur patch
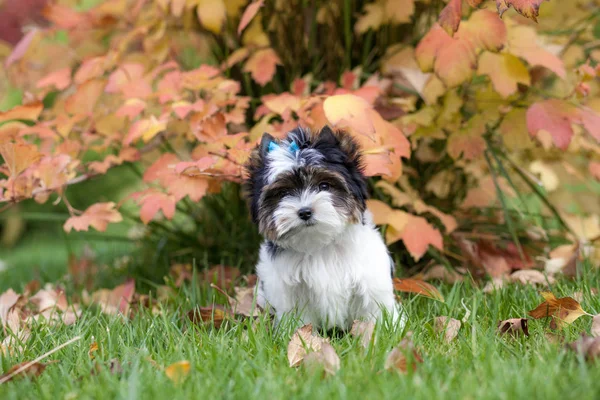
{"x": 325, "y": 156}
{"x": 273, "y": 249}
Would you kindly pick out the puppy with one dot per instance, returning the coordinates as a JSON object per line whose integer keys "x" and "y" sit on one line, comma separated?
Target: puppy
{"x": 322, "y": 256}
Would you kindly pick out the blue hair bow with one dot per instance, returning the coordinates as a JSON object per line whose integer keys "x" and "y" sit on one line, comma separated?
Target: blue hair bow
{"x": 293, "y": 147}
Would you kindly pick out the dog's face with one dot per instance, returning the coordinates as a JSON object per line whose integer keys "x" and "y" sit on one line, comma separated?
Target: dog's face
{"x": 304, "y": 190}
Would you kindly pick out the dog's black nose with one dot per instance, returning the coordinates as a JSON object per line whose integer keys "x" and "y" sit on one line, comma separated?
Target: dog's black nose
{"x": 305, "y": 213}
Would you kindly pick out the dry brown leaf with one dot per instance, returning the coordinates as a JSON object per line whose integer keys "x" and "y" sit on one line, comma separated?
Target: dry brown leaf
{"x": 221, "y": 275}
{"x": 364, "y": 330}
{"x": 115, "y": 301}
{"x": 325, "y": 357}
{"x": 178, "y": 372}
{"x": 32, "y": 371}
{"x": 403, "y": 357}
{"x": 596, "y": 326}
{"x": 417, "y": 286}
{"x": 588, "y": 346}
{"x": 441, "y": 273}
{"x": 563, "y": 311}
{"x": 449, "y": 326}
{"x": 214, "y": 314}
{"x": 513, "y": 326}
{"x": 8, "y": 300}
{"x": 245, "y": 302}
{"x": 531, "y": 277}
{"x": 302, "y": 341}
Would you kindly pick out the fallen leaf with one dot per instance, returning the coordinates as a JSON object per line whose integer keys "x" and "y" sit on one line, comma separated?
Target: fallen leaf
{"x": 303, "y": 341}
{"x": 531, "y": 277}
{"x": 409, "y": 285}
{"x": 563, "y": 311}
{"x": 587, "y": 346}
{"x": 245, "y": 302}
{"x": 403, "y": 357}
{"x": 363, "y": 330}
{"x": 513, "y": 326}
{"x": 449, "y": 326}
{"x": 32, "y": 371}
{"x": 596, "y": 326}
{"x": 93, "y": 349}
{"x": 178, "y": 372}
{"x": 442, "y": 273}
{"x": 115, "y": 301}
{"x": 325, "y": 358}
{"x": 221, "y": 275}
{"x": 215, "y": 314}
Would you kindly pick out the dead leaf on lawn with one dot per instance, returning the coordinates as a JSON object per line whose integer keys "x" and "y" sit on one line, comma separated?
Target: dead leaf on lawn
{"x": 596, "y": 326}
{"x": 403, "y": 357}
{"x": 245, "y": 302}
{"x": 30, "y": 371}
{"x": 563, "y": 311}
{"x": 302, "y": 341}
{"x": 214, "y": 315}
{"x": 587, "y": 346}
{"x": 364, "y": 330}
{"x": 493, "y": 285}
{"x": 449, "y": 326}
{"x": 513, "y": 326}
{"x": 531, "y": 277}
{"x": 326, "y": 358}
{"x": 417, "y": 286}
{"x": 115, "y": 301}
{"x": 442, "y": 273}
{"x": 178, "y": 372}
{"x": 221, "y": 275}
{"x": 93, "y": 350}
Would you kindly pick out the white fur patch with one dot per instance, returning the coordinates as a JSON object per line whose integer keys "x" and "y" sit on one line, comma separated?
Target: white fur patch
{"x": 282, "y": 159}
{"x": 331, "y": 285}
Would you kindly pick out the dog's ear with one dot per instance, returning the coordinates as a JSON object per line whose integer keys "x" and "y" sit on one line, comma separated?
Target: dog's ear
{"x": 264, "y": 144}
{"x": 327, "y": 136}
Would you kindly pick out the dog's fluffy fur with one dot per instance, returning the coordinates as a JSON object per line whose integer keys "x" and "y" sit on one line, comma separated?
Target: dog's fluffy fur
{"x": 332, "y": 267}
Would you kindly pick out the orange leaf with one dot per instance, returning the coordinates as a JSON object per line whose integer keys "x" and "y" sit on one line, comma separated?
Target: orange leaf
{"x": 178, "y": 372}
{"x": 563, "y": 311}
{"x": 83, "y": 101}
{"x": 403, "y": 357}
{"x": 348, "y": 110}
{"x": 261, "y": 65}
{"x": 527, "y": 8}
{"x": 450, "y": 16}
{"x": 249, "y": 13}
{"x": 97, "y": 216}
{"x": 418, "y": 234}
{"x": 152, "y": 202}
{"x": 60, "y": 79}
{"x": 29, "y": 112}
{"x": 214, "y": 314}
{"x": 417, "y": 286}
{"x": 18, "y": 156}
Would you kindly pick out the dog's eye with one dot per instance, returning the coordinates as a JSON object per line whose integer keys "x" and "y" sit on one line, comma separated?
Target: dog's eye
{"x": 323, "y": 186}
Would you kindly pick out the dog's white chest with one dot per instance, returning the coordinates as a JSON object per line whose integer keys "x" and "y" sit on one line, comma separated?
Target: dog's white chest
{"x": 333, "y": 286}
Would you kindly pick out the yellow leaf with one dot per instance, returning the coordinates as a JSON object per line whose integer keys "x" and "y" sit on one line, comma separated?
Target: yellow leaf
{"x": 371, "y": 19}
{"x": 505, "y": 71}
{"x": 514, "y": 130}
{"x": 177, "y": 372}
{"x": 348, "y": 110}
{"x": 211, "y": 14}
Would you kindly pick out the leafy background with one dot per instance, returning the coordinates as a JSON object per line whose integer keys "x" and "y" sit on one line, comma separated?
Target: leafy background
{"x": 126, "y": 124}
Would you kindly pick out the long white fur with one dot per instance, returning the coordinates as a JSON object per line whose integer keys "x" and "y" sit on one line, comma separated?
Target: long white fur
{"x": 330, "y": 273}
{"x": 281, "y": 159}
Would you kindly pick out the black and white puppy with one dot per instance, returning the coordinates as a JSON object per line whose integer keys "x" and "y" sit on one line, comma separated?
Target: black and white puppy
{"x": 322, "y": 256}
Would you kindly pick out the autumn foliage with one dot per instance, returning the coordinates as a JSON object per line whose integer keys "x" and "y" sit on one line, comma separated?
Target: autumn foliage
{"x": 447, "y": 99}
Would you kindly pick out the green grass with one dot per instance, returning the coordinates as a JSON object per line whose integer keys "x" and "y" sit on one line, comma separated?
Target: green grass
{"x": 245, "y": 361}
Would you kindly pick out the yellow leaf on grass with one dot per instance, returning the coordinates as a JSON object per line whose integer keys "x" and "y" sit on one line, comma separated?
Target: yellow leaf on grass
{"x": 177, "y": 372}
{"x": 563, "y": 311}
{"x": 417, "y": 286}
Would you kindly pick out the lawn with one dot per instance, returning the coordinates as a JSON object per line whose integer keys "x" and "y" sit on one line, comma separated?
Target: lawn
{"x": 247, "y": 359}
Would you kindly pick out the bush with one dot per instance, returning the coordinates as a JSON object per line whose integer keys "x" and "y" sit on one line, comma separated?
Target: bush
{"x": 463, "y": 118}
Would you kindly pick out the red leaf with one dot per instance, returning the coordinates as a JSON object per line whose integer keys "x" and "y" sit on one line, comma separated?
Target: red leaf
{"x": 60, "y": 79}
{"x": 249, "y": 13}
{"x": 417, "y": 286}
{"x": 261, "y": 65}
{"x": 553, "y": 116}
{"x": 21, "y": 48}
{"x": 97, "y": 216}
{"x": 450, "y": 16}
{"x": 527, "y": 8}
